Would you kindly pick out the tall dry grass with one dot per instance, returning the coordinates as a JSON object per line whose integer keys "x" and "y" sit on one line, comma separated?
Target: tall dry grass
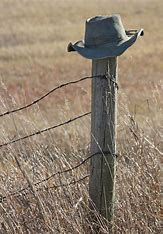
{"x": 61, "y": 204}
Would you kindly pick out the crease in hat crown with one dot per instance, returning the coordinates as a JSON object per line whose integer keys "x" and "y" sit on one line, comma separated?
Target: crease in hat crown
{"x": 103, "y": 29}
{"x": 104, "y": 37}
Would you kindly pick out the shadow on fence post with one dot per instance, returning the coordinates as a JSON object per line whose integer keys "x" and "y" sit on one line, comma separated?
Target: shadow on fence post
{"x": 105, "y": 39}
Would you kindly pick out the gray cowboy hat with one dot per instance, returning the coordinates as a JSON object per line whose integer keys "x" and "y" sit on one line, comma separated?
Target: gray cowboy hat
{"x": 105, "y": 37}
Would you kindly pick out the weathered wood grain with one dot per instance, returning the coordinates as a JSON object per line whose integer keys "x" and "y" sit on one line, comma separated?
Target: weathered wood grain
{"x": 103, "y": 136}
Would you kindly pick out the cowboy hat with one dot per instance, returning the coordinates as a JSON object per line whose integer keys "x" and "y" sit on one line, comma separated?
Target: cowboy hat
{"x": 105, "y": 37}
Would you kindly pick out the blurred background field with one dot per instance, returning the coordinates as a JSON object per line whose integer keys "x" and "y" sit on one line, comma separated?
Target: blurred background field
{"x": 34, "y": 35}
{"x": 33, "y": 39}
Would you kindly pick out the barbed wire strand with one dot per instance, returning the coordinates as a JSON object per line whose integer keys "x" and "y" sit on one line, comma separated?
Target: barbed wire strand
{"x": 67, "y": 184}
{"x": 49, "y": 177}
{"x": 2, "y": 198}
{"x": 53, "y": 175}
{"x": 67, "y": 170}
{"x": 48, "y": 93}
{"x": 44, "y": 130}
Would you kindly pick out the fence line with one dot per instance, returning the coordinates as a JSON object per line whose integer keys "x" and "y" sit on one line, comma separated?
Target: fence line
{"x": 106, "y": 76}
{"x": 48, "y": 93}
{"x": 44, "y": 130}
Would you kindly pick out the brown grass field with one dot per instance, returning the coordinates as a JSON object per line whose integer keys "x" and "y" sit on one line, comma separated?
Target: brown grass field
{"x": 34, "y": 35}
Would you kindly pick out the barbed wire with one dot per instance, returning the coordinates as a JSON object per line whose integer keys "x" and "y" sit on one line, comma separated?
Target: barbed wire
{"x": 50, "y": 128}
{"x": 67, "y": 184}
{"x": 106, "y": 76}
{"x": 48, "y": 93}
{"x": 2, "y": 198}
{"x": 65, "y": 171}
{"x": 49, "y": 177}
{"x": 44, "y": 130}
{"x": 57, "y": 173}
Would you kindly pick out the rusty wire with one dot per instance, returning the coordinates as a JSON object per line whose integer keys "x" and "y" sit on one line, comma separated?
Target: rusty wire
{"x": 48, "y": 93}
{"x": 44, "y": 130}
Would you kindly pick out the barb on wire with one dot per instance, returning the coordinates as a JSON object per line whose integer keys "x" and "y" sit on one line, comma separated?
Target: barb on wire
{"x": 48, "y": 93}
{"x": 67, "y": 184}
{"x": 44, "y": 130}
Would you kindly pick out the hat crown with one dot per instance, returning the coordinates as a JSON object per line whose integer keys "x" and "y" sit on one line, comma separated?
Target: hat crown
{"x": 104, "y": 29}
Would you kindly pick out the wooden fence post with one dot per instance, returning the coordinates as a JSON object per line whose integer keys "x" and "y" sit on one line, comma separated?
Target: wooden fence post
{"x": 103, "y": 136}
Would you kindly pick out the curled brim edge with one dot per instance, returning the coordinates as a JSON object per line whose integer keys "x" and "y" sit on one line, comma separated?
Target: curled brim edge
{"x": 105, "y": 50}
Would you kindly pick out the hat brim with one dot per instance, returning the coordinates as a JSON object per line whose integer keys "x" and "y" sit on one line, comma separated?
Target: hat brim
{"x": 106, "y": 50}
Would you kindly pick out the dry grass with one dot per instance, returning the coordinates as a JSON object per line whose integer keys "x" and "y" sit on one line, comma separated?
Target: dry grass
{"x": 33, "y": 59}
{"x": 47, "y": 208}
